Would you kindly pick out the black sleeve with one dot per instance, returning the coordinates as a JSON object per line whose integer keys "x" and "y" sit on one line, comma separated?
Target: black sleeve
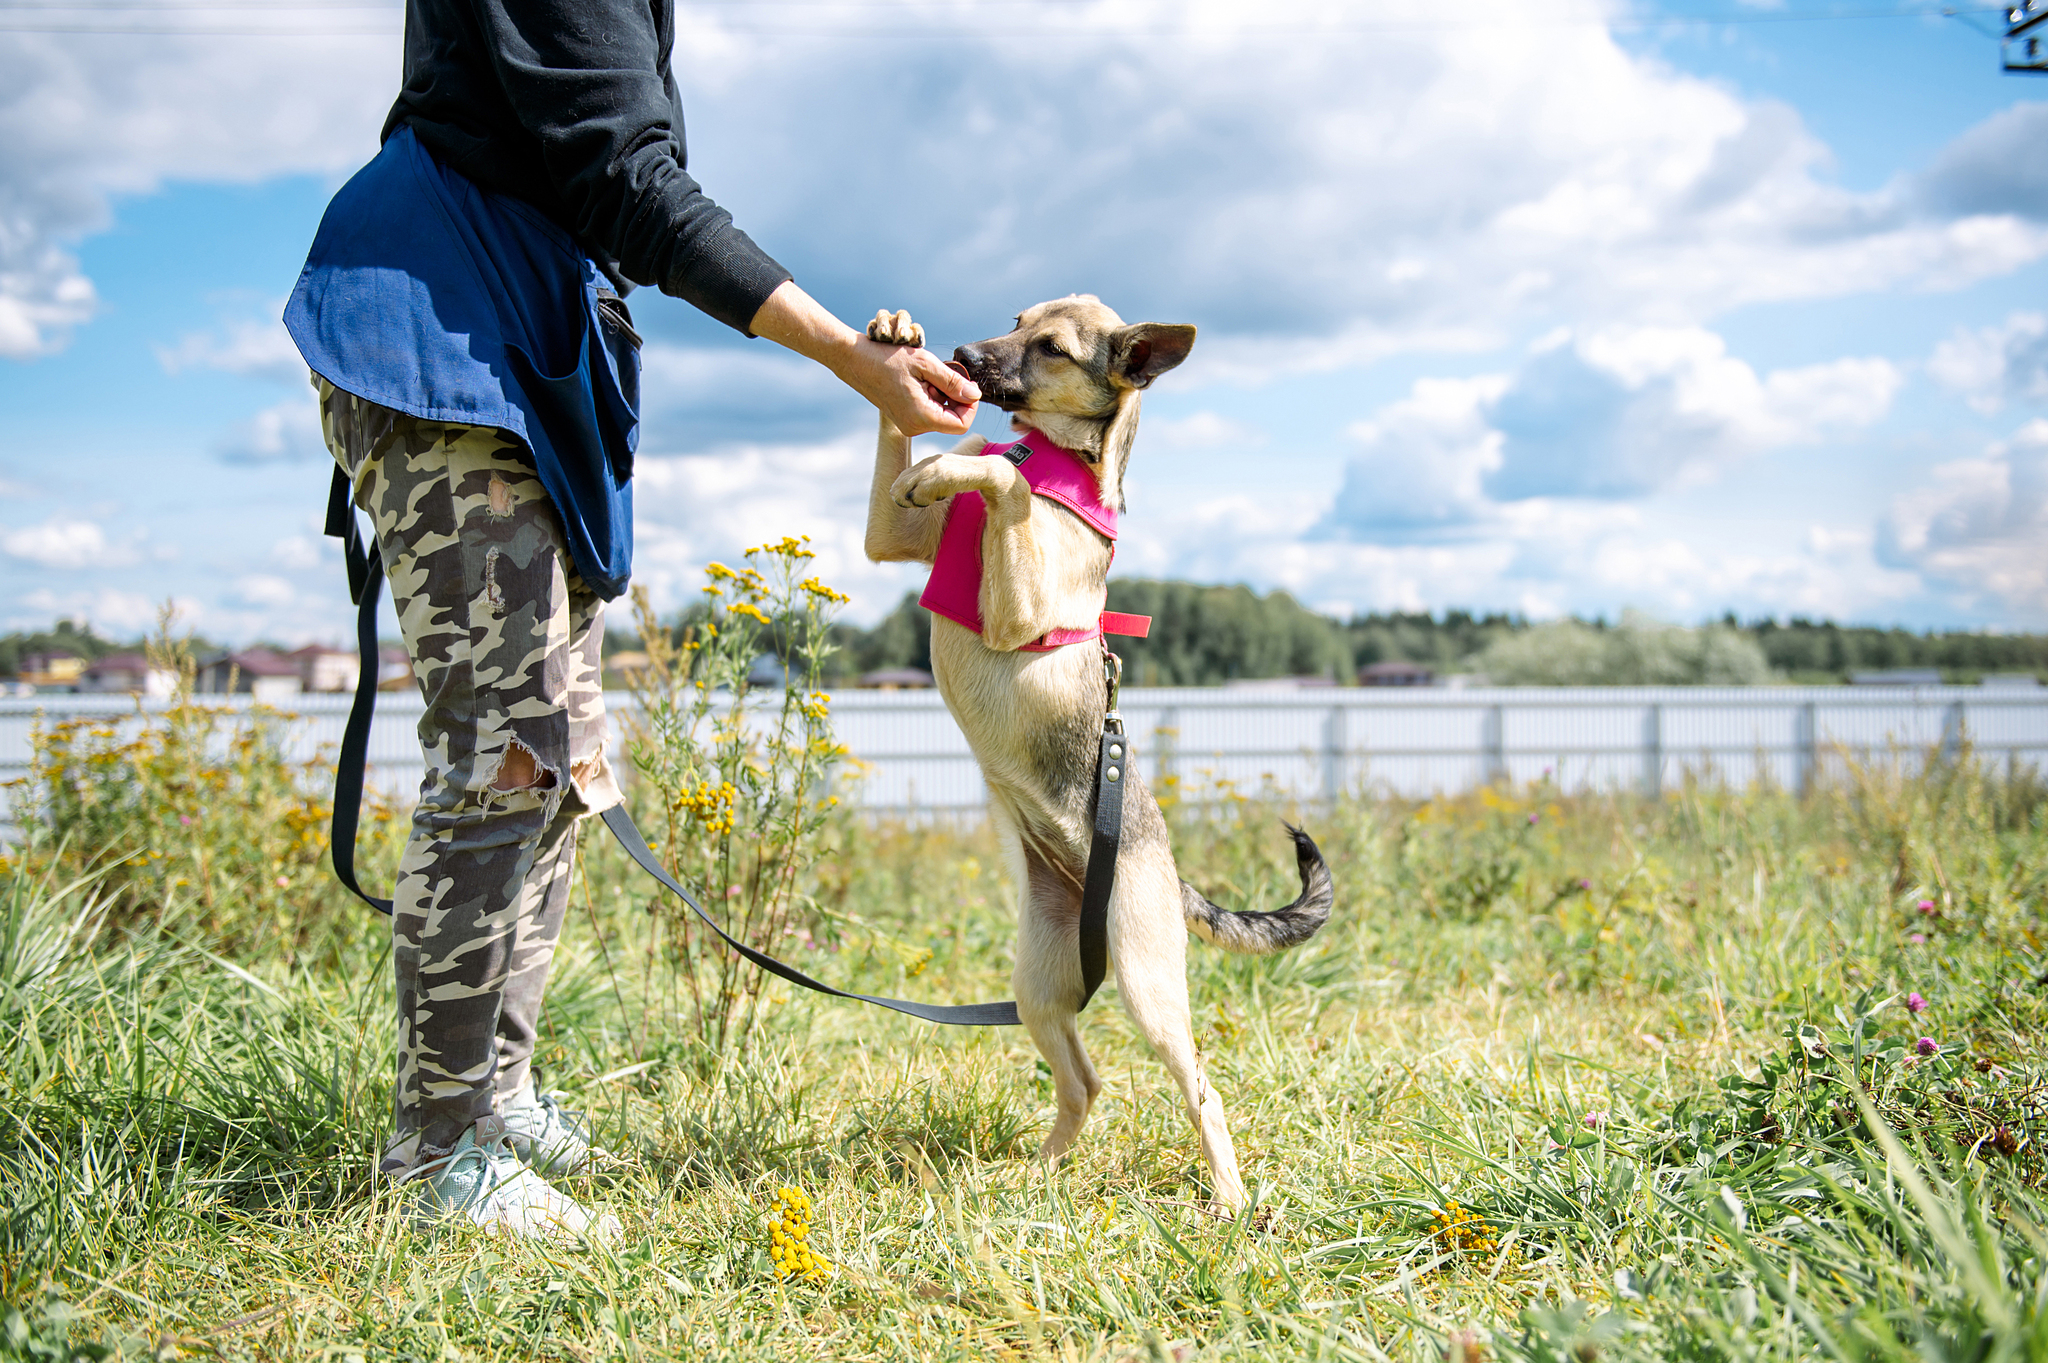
{"x": 586, "y": 80}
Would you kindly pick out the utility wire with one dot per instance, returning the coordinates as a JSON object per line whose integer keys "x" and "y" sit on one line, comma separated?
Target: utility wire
{"x": 127, "y": 19}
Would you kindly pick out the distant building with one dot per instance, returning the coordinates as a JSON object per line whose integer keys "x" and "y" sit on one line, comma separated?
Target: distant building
{"x": 1395, "y": 674}
{"x": 896, "y": 679}
{"x": 394, "y": 669}
{"x": 323, "y": 668}
{"x": 257, "y": 672}
{"x": 1278, "y": 684}
{"x": 129, "y": 672}
{"x": 626, "y": 665}
{"x": 1897, "y": 676}
{"x": 58, "y": 667}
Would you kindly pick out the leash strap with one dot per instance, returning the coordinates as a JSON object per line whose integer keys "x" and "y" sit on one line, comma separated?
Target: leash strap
{"x": 1112, "y": 765}
{"x": 957, "y": 1015}
{"x": 366, "y": 581}
{"x": 365, "y": 585}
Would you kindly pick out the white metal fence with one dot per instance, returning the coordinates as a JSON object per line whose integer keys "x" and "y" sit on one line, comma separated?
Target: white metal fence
{"x": 1315, "y": 744}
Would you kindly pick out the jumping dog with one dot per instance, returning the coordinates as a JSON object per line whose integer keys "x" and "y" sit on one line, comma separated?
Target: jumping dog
{"x": 1018, "y": 658}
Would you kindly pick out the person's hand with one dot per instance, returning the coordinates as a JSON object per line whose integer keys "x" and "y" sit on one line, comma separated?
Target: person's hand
{"x": 911, "y": 386}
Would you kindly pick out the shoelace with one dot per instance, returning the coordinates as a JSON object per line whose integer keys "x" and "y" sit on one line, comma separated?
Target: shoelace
{"x": 485, "y": 1153}
{"x": 555, "y": 1123}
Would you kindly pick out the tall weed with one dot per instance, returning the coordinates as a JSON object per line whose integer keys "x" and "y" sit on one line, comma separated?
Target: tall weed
{"x": 741, "y": 771}
{"x": 190, "y": 813}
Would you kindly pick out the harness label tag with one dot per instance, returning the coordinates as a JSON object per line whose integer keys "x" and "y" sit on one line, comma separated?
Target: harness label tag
{"x": 1017, "y": 453}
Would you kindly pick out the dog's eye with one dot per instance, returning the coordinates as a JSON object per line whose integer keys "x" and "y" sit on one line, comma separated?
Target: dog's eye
{"x": 1049, "y": 347}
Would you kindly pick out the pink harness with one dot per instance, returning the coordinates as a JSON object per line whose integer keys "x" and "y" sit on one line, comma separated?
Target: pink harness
{"x": 954, "y": 590}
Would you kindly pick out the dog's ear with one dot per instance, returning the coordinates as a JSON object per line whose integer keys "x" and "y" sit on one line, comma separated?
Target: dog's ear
{"x": 1142, "y": 353}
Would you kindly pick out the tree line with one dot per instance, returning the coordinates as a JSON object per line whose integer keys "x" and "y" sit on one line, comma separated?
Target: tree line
{"x": 1210, "y": 635}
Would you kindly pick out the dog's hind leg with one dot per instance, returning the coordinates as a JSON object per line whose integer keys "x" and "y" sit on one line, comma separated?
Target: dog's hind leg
{"x": 1047, "y": 982}
{"x": 1148, "y": 942}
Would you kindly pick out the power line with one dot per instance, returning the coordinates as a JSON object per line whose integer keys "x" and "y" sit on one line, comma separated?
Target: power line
{"x": 197, "y": 31}
{"x": 127, "y": 20}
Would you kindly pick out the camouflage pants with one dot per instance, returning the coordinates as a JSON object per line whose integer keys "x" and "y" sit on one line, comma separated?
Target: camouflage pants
{"x": 504, "y": 640}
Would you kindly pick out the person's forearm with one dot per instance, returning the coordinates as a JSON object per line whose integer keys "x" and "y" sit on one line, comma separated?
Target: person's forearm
{"x": 796, "y": 321}
{"x": 914, "y": 391}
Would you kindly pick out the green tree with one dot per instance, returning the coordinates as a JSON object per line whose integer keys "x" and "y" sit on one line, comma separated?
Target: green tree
{"x": 1639, "y": 652}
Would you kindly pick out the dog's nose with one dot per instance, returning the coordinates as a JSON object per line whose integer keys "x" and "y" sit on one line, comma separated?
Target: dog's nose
{"x": 968, "y": 355}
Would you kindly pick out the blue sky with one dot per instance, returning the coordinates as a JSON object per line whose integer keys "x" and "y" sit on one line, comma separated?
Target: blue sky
{"x": 1684, "y": 308}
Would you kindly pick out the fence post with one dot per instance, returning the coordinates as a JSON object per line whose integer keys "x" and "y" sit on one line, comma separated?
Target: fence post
{"x": 1653, "y": 750}
{"x": 1494, "y": 745}
{"x": 1806, "y": 742}
{"x": 1165, "y": 735}
{"x": 1954, "y": 729}
{"x": 1333, "y": 755}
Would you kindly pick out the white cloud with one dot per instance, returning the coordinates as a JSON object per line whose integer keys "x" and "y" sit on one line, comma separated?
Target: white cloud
{"x": 1331, "y": 197}
{"x": 87, "y": 118}
{"x": 1991, "y": 366}
{"x": 259, "y": 347}
{"x": 111, "y": 611}
{"x": 283, "y": 431}
{"x": 1627, "y": 410}
{"x": 1981, "y": 528}
{"x": 1617, "y": 413}
{"x": 263, "y": 591}
{"x": 691, "y": 509}
{"x": 710, "y": 396}
{"x": 1199, "y": 431}
{"x": 63, "y": 542}
{"x": 1543, "y": 557}
{"x": 301, "y": 552}
{"x": 1424, "y": 460}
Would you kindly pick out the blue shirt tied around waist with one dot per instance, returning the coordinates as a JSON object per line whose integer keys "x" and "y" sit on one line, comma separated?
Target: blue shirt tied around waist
{"x": 431, "y": 296}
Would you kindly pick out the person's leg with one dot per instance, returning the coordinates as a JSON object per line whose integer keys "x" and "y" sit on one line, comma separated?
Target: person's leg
{"x": 593, "y": 789}
{"x": 486, "y": 597}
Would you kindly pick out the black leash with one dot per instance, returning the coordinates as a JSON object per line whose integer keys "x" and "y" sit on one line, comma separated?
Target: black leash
{"x": 365, "y": 584}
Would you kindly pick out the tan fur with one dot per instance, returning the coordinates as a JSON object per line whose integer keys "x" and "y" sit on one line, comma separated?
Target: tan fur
{"x": 1073, "y": 370}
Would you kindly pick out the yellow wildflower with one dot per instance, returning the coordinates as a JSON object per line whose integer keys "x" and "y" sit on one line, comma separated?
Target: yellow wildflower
{"x": 1460, "y": 1229}
{"x": 823, "y": 592}
{"x": 789, "y": 546}
{"x": 789, "y": 1232}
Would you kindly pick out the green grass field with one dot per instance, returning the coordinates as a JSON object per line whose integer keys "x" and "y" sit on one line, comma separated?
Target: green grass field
{"x": 1563, "y": 1079}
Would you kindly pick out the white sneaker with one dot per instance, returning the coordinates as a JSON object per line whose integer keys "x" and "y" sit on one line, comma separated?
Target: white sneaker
{"x": 547, "y": 1138}
{"x": 483, "y": 1182}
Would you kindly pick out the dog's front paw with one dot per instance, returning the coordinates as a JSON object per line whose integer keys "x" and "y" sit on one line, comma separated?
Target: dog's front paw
{"x": 938, "y": 477}
{"x": 895, "y": 328}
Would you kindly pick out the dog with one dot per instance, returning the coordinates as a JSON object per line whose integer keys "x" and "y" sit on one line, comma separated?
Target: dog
{"x": 1029, "y": 689}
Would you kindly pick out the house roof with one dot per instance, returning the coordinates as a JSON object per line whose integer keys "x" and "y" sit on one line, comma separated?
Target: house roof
{"x": 256, "y": 662}
{"x": 896, "y": 676}
{"x": 121, "y": 662}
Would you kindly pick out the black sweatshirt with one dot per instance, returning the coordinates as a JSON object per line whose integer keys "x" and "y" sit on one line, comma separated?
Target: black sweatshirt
{"x": 569, "y": 105}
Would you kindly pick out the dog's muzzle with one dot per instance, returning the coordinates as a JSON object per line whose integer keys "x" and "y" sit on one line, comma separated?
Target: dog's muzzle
{"x": 985, "y": 372}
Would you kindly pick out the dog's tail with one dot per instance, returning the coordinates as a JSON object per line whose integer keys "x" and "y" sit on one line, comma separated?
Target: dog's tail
{"x": 1253, "y": 933}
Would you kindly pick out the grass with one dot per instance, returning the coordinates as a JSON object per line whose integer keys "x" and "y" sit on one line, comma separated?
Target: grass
{"x": 1564, "y": 1079}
